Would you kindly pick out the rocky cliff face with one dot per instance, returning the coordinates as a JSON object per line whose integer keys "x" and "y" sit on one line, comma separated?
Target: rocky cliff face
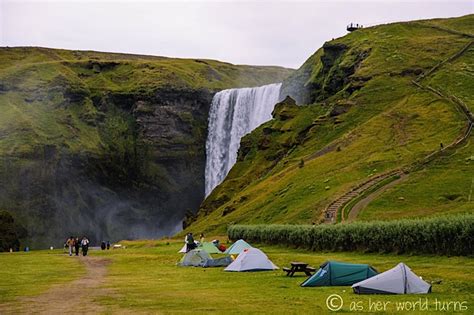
{"x": 105, "y": 145}
{"x": 327, "y": 73}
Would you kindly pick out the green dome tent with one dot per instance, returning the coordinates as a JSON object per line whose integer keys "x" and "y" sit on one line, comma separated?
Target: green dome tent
{"x": 333, "y": 273}
{"x": 210, "y": 248}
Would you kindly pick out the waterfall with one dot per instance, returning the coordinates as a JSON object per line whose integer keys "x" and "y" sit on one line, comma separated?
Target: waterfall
{"x": 233, "y": 114}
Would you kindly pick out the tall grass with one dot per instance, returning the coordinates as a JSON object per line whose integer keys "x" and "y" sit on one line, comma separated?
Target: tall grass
{"x": 449, "y": 235}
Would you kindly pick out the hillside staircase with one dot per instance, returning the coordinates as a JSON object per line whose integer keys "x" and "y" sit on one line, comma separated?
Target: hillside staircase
{"x": 334, "y": 207}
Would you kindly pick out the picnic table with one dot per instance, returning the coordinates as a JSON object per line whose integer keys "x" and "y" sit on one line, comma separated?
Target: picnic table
{"x": 298, "y": 266}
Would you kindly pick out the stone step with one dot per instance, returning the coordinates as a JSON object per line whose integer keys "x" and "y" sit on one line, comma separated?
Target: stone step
{"x": 336, "y": 205}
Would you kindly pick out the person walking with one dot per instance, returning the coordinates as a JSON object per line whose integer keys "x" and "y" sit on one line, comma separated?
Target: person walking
{"x": 70, "y": 244}
{"x": 77, "y": 245}
{"x": 102, "y": 245}
{"x": 85, "y": 246}
{"x": 108, "y": 245}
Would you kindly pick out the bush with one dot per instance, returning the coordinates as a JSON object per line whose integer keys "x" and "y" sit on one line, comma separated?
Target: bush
{"x": 450, "y": 235}
{"x": 10, "y": 232}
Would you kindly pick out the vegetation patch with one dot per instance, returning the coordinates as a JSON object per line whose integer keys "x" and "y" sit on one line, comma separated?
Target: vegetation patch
{"x": 448, "y": 235}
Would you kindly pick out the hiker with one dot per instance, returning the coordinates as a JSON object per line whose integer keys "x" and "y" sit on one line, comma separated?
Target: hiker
{"x": 102, "y": 245}
{"x": 189, "y": 240}
{"x": 85, "y": 246}
{"x": 70, "y": 244}
{"x": 77, "y": 245}
{"x": 108, "y": 245}
{"x": 201, "y": 238}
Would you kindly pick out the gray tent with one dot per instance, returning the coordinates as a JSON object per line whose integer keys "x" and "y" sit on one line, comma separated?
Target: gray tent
{"x": 398, "y": 280}
{"x": 195, "y": 257}
{"x": 218, "y": 262}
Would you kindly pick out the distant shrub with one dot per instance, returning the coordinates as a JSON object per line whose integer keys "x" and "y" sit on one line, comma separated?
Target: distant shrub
{"x": 10, "y": 232}
{"x": 450, "y": 235}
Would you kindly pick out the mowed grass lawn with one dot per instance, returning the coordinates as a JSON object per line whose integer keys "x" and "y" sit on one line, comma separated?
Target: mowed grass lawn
{"x": 145, "y": 278}
{"x": 28, "y": 274}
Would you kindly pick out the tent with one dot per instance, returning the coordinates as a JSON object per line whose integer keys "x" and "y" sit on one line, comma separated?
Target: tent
{"x": 333, "y": 273}
{"x": 251, "y": 259}
{"x": 183, "y": 249}
{"x": 398, "y": 280}
{"x": 195, "y": 257}
{"x": 219, "y": 262}
{"x": 210, "y": 248}
{"x": 237, "y": 247}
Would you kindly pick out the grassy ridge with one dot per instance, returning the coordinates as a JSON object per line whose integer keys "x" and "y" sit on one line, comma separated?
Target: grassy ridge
{"x": 365, "y": 117}
{"x": 37, "y": 83}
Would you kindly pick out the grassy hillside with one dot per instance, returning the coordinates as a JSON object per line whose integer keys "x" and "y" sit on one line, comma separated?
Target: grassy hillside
{"x": 361, "y": 116}
{"x": 108, "y": 145}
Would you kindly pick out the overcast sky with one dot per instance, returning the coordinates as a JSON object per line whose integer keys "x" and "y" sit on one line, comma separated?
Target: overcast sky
{"x": 281, "y": 33}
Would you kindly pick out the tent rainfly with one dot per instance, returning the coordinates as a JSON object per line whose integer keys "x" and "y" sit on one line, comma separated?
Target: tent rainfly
{"x": 333, "y": 273}
{"x": 251, "y": 259}
{"x": 218, "y": 262}
{"x": 398, "y": 280}
{"x": 195, "y": 257}
{"x": 210, "y": 248}
{"x": 237, "y": 247}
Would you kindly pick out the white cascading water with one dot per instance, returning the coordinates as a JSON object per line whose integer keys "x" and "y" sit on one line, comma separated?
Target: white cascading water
{"x": 233, "y": 114}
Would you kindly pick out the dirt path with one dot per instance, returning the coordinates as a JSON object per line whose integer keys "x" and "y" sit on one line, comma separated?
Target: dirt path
{"x": 360, "y": 205}
{"x": 74, "y": 297}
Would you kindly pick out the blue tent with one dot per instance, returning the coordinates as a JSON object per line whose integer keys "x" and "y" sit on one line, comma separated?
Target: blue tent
{"x": 237, "y": 247}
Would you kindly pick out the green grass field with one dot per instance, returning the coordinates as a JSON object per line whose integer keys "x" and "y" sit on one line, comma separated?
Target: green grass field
{"x": 28, "y": 274}
{"x": 144, "y": 278}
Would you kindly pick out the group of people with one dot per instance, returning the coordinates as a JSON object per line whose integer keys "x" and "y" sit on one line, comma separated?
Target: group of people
{"x": 74, "y": 244}
{"x": 191, "y": 243}
{"x": 105, "y": 245}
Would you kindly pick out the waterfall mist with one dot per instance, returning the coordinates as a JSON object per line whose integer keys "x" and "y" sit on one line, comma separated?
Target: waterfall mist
{"x": 233, "y": 114}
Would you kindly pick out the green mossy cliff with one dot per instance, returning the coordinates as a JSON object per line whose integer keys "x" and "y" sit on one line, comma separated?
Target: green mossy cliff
{"x": 366, "y": 110}
{"x": 107, "y": 145}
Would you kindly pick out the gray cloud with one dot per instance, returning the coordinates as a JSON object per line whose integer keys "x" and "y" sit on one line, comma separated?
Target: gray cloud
{"x": 244, "y": 32}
